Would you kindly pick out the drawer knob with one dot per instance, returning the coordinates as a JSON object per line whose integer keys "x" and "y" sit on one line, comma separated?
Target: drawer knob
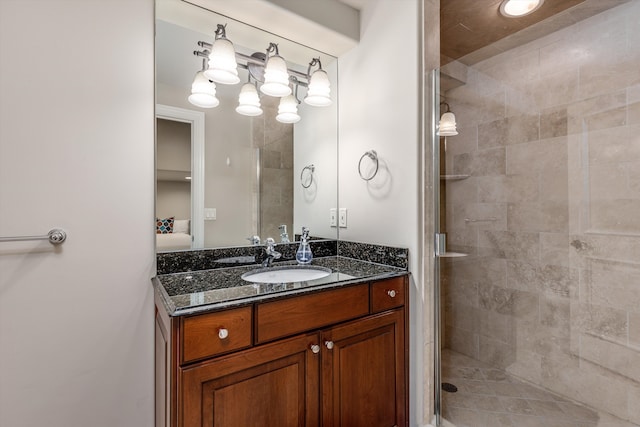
{"x": 391, "y": 293}
{"x": 223, "y": 333}
{"x": 328, "y": 344}
{"x": 315, "y": 348}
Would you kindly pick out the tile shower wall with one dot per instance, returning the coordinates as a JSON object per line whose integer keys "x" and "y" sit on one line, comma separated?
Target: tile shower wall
{"x": 550, "y": 213}
{"x": 275, "y": 141}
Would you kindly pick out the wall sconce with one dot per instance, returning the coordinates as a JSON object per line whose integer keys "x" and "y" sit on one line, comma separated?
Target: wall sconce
{"x": 203, "y": 91}
{"x": 269, "y": 72}
{"x": 447, "y": 124}
{"x": 248, "y": 100}
{"x": 223, "y": 67}
{"x": 318, "y": 93}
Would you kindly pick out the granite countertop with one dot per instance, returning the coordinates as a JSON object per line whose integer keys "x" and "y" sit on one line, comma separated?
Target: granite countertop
{"x": 204, "y": 290}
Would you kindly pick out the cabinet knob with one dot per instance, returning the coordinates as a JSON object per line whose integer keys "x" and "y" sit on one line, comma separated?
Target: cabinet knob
{"x": 315, "y": 348}
{"x": 223, "y": 333}
{"x": 391, "y": 293}
{"x": 328, "y": 344}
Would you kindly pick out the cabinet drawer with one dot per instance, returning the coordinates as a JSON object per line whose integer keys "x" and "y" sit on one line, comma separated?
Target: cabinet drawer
{"x": 388, "y": 294}
{"x": 293, "y": 315}
{"x": 209, "y": 334}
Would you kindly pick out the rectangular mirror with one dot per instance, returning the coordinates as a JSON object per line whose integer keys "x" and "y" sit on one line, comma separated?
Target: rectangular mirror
{"x": 224, "y": 177}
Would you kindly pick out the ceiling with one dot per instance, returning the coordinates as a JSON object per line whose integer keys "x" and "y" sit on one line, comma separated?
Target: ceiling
{"x": 473, "y": 30}
{"x": 468, "y": 25}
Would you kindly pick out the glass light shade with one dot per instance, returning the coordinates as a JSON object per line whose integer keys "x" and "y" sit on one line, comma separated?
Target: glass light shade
{"x": 516, "y": 8}
{"x": 248, "y": 101}
{"x": 319, "y": 91}
{"x": 203, "y": 92}
{"x": 223, "y": 67}
{"x": 288, "y": 110}
{"x": 447, "y": 125}
{"x": 276, "y": 78}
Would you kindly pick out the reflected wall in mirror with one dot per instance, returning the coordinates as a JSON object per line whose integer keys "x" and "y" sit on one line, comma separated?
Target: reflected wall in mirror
{"x": 252, "y": 179}
{"x": 173, "y": 182}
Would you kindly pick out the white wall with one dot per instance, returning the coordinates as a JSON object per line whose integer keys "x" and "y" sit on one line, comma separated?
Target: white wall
{"x": 76, "y": 145}
{"x": 228, "y": 188}
{"x": 173, "y": 145}
{"x": 379, "y": 99}
{"x": 173, "y": 199}
{"x": 315, "y": 143}
{"x": 379, "y": 110}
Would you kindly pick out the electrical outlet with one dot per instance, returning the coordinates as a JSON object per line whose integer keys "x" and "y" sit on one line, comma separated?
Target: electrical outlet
{"x": 342, "y": 217}
{"x": 333, "y": 217}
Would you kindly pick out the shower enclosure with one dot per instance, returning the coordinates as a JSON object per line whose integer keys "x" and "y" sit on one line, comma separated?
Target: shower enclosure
{"x": 539, "y": 200}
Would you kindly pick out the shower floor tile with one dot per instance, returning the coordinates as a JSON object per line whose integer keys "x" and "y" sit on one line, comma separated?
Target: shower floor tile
{"x": 490, "y": 397}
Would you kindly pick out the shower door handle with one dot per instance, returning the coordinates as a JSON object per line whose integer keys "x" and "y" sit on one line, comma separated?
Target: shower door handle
{"x": 440, "y": 244}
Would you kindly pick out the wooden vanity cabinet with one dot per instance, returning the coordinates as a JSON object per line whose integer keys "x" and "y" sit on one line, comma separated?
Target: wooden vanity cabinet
{"x": 270, "y": 385}
{"x": 337, "y": 357}
{"x": 364, "y": 372}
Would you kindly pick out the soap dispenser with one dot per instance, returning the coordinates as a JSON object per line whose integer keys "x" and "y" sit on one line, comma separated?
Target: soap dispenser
{"x": 304, "y": 255}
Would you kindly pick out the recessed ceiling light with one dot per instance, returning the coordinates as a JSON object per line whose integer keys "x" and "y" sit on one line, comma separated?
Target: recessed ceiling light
{"x": 518, "y": 8}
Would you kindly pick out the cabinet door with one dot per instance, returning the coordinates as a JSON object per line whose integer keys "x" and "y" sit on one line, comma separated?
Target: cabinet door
{"x": 272, "y": 385}
{"x": 363, "y": 373}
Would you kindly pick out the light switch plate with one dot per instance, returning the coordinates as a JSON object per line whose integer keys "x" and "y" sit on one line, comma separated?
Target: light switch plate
{"x": 342, "y": 217}
{"x": 209, "y": 214}
{"x": 333, "y": 217}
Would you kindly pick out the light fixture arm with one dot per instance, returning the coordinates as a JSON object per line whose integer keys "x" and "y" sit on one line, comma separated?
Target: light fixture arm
{"x": 448, "y": 108}
{"x": 273, "y": 47}
{"x": 314, "y": 61}
{"x": 221, "y": 31}
{"x": 295, "y": 94}
{"x": 205, "y": 58}
{"x": 251, "y": 60}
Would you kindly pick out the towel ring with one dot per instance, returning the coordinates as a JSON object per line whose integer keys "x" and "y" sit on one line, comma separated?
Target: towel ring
{"x": 311, "y": 168}
{"x": 374, "y": 157}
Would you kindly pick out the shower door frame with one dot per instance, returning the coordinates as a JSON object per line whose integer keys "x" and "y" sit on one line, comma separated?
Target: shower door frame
{"x": 438, "y": 241}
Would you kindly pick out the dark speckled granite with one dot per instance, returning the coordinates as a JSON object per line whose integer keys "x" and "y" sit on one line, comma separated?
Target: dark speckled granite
{"x": 209, "y": 279}
{"x": 190, "y": 292}
{"x": 209, "y": 259}
{"x": 395, "y": 257}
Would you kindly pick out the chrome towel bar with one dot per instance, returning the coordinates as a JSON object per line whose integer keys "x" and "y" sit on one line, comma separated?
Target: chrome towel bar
{"x": 56, "y": 236}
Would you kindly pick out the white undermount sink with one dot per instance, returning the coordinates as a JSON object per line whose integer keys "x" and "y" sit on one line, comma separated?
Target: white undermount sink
{"x": 286, "y": 274}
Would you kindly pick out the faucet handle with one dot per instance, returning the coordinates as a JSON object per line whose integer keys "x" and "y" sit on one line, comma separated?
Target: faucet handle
{"x": 255, "y": 240}
{"x": 270, "y": 246}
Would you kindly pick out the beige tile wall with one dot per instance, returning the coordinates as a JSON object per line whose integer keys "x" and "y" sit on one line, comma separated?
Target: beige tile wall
{"x": 275, "y": 141}
{"x": 550, "y": 215}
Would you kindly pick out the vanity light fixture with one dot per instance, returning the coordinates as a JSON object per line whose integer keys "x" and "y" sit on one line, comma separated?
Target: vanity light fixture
{"x": 223, "y": 67}
{"x": 318, "y": 93}
{"x": 203, "y": 91}
{"x": 269, "y": 73}
{"x": 518, "y": 8}
{"x": 447, "y": 124}
{"x": 288, "y": 110}
{"x": 248, "y": 100}
{"x": 276, "y": 76}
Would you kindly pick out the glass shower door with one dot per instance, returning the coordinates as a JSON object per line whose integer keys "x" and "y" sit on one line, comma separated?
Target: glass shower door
{"x": 538, "y": 195}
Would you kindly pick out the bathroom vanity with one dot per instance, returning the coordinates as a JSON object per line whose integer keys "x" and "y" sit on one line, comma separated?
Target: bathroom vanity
{"x": 326, "y": 352}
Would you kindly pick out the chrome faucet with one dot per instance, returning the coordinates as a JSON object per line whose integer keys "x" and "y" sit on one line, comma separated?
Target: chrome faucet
{"x": 255, "y": 240}
{"x": 284, "y": 236}
{"x": 271, "y": 252}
